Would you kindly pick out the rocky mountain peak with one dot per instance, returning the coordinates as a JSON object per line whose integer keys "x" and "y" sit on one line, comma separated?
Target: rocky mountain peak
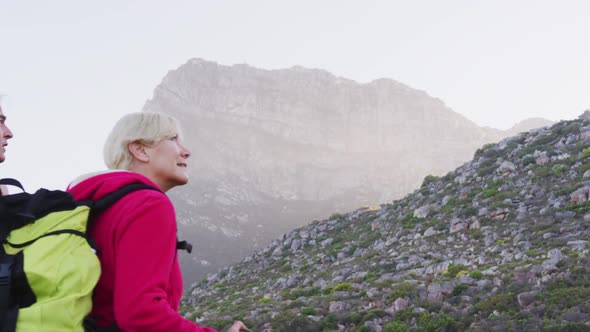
{"x": 273, "y": 149}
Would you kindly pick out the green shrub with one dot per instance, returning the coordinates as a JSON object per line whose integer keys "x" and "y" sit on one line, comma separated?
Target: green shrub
{"x": 285, "y": 268}
{"x": 484, "y": 151}
{"x": 542, "y": 172}
{"x": 329, "y": 322}
{"x": 264, "y": 300}
{"x": 568, "y": 189}
{"x": 372, "y": 314}
{"x": 436, "y": 322}
{"x": 487, "y": 167}
{"x": 489, "y": 192}
{"x": 450, "y": 206}
{"x": 355, "y": 317}
{"x": 581, "y": 208}
{"x": 308, "y": 311}
{"x": 343, "y": 287}
{"x": 454, "y": 269}
{"x": 474, "y": 193}
{"x": 477, "y": 275}
{"x": 469, "y": 211}
{"x": 459, "y": 289}
{"x": 503, "y": 303}
{"x": 558, "y": 170}
{"x": 336, "y": 216}
{"x": 395, "y": 327}
{"x": 586, "y": 153}
{"x": 564, "y": 298}
{"x": 528, "y": 160}
{"x": 567, "y": 327}
{"x": 429, "y": 179}
{"x": 566, "y": 127}
{"x": 371, "y": 276}
{"x": 545, "y": 139}
{"x": 476, "y": 234}
{"x": 286, "y": 322}
{"x": 304, "y": 292}
{"x": 405, "y": 289}
{"x": 370, "y": 239}
{"x": 410, "y": 222}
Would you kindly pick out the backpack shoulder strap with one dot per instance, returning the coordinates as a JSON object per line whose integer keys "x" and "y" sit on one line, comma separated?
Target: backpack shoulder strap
{"x": 18, "y": 210}
{"x": 98, "y": 206}
{"x": 108, "y": 200}
{"x": 12, "y": 182}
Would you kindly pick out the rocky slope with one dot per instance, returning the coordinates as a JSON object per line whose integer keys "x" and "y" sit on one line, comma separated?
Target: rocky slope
{"x": 499, "y": 244}
{"x": 273, "y": 149}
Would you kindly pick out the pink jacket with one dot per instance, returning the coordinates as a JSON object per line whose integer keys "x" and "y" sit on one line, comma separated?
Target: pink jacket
{"x": 140, "y": 285}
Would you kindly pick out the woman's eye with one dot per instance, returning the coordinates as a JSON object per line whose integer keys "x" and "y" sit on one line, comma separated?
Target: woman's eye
{"x": 174, "y": 138}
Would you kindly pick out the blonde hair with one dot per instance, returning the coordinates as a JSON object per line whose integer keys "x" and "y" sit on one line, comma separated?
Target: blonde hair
{"x": 146, "y": 127}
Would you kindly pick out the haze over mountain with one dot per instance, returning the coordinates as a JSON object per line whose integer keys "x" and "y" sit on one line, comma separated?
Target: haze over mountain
{"x": 273, "y": 150}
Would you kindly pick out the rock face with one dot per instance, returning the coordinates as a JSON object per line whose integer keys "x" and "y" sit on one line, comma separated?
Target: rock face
{"x": 274, "y": 149}
{"x": 505, "y": 251}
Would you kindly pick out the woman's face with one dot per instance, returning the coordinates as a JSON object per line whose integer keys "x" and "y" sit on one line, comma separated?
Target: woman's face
{"x": 168, "y": 163}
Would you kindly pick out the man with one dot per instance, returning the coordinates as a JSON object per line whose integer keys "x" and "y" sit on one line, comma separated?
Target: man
{"x": 5, "y": 135}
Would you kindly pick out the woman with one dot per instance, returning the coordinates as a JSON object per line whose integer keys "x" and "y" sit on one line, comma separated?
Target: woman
{"x": 141, "y": 285}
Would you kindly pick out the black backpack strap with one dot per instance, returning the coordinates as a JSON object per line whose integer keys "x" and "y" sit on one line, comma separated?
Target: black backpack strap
{"x": 183, "y": 245}
{"x": 90, "y": 325}
{"x": 108, "y": 200}
{"x": 20, "y": 209}
{"x": 12, "y": 182}
{"x": 8, "y": 305}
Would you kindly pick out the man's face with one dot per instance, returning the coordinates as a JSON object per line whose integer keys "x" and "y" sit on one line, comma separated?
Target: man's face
{"x": 5, "y": 135}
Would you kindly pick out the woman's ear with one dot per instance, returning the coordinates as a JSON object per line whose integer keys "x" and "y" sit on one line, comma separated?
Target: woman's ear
{"x": 138, "y": 151}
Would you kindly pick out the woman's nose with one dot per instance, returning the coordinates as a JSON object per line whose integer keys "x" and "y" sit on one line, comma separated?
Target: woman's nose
{"x": 185, "y": 152}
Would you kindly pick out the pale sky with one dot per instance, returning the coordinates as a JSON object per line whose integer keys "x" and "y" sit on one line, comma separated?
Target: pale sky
{"x": 70, "y": 69}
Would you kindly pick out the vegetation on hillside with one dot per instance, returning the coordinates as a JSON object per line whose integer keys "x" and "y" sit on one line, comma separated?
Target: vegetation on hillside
{"x": 499, "y": 244}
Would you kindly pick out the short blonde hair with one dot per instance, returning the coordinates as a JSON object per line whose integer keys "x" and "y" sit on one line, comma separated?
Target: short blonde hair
{"x": 146, "y": 127}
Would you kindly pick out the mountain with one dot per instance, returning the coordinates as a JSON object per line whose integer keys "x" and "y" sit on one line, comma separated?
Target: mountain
{"x": 528, "y": 124}
{"x": 498, "y": 244}
{"x": 275, "y": 149}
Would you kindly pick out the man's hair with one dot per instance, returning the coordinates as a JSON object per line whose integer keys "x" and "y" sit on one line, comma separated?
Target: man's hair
{"x": 146, "y": 127}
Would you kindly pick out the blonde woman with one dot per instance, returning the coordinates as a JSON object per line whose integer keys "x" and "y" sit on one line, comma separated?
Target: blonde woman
{"x": 141, "y": 285}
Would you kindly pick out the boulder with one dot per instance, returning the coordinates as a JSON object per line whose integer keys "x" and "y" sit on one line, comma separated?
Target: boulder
{"x": 338, "y": 306}
{"x": 429, "y": 232}
{"x": 542, "y": 160}
{"x": 422, "y": 212}
{"x": 400, "y": 304}
{"x": 506, "y": 168}
{"x": 525, "y": 299}
{"x": 580, "y": 195}
{"x": 458, "y": 225}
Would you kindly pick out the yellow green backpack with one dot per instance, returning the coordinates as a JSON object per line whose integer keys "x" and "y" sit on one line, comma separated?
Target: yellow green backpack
{"x": 48, "y": 266}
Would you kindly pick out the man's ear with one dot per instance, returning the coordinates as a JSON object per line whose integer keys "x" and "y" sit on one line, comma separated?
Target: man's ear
{"x": 138, "y": 151}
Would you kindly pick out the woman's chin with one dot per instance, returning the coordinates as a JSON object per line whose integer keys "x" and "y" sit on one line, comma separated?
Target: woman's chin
{"x": 182, "y": 181}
